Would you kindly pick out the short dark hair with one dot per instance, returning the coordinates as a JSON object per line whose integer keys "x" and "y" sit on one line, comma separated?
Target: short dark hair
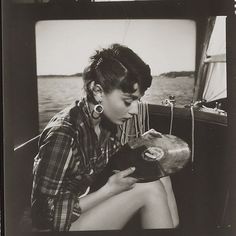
{"x": 117, "y": 67}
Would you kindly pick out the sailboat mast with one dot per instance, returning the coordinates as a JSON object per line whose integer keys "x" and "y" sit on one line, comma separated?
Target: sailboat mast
{"x": 200, "y": 79}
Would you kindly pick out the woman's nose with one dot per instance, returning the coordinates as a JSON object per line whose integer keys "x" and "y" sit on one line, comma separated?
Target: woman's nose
{"x": 133, "y": 108}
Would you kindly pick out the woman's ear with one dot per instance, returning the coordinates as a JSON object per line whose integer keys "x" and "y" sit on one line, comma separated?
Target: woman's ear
{"x": 97, "y": 91}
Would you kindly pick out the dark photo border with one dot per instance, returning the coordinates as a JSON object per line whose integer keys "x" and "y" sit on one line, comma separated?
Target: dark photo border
{"x": 19, "y": 97}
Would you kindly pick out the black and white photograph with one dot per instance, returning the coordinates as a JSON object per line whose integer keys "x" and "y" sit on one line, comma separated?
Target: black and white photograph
{"x": 118, "y": 117}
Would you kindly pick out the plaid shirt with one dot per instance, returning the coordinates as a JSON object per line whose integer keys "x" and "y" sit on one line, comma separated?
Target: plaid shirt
{"x": 70, "y": 157}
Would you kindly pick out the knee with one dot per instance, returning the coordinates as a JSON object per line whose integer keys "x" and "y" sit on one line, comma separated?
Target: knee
{"x": 166, "y": 181}
{"x": 176, "y": 223}
{"x": 153, "y": 192}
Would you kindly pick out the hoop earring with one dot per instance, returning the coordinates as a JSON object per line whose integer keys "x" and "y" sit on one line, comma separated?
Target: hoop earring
{"x": 97, "y": 111}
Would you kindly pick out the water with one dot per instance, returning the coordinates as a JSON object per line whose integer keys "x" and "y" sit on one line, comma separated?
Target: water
{"x": 54, "y": 94}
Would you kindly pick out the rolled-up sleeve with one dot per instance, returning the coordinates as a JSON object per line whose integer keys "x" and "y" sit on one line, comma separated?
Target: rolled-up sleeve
{"x": 55, "y": 155}
{"x": 52, "y": 207}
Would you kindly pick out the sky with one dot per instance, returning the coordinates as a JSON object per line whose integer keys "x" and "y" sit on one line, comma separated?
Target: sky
{"x": 64, "y": 46}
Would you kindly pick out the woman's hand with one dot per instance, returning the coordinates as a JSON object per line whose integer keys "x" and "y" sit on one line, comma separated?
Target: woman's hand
{"x": 120, "y": 181}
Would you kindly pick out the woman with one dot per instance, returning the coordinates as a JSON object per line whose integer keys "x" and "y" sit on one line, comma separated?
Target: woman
{"x": 77, "y": 144}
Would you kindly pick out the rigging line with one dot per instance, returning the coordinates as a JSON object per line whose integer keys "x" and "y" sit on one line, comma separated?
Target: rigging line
{"x": 126, "y": 31}
{"x": 193, "y": 135}
{"x": 144, "y": 118}
{"x": 171, "y": 116}
{"x": 136, "y": 126}
{"x": 121, "y": 134}
{"x": 141, "y": 118}
{"x": 138, "y": 120}
{"x": 147, "y": 114}
{"x": 125, "y": 132}
{"x": 25, "y": 143}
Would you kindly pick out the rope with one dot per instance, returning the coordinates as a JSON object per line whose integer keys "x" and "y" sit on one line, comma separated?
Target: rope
{"x": 147, "y": 112}
{"x": 171, "y": 116}
{"x": 126, "y": 31}
{"x": 167, "y": 102}
{"x": 27, "y": 142}
{"x": 136, "y": 125}
{"x": 193, "y": 135}
{"x": 142, "y": 112}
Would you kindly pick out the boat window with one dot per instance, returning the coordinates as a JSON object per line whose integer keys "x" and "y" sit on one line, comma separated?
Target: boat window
{"x": 63, "y": 48}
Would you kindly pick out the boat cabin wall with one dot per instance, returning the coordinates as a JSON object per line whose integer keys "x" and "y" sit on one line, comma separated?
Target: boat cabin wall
{"x": 200, "y": 188}
{"x": 23, "y": 77}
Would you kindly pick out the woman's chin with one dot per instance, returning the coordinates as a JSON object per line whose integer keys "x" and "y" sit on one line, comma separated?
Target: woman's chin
{"x": 113, "y": 121}
{"x": 117, "y": 122}
{"x": 120, "y": 123}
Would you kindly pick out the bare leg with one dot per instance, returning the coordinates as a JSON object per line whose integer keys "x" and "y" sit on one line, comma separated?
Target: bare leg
{"x": 166, "y": 181}
{"x": 156, "y": 214}
{"x": 115, "y": 212}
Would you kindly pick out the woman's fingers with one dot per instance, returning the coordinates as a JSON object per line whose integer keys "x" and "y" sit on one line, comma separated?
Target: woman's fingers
{"x": 129, "y": 182}
{"x": 126, "y": 172}
{"x": 121, "y": 181}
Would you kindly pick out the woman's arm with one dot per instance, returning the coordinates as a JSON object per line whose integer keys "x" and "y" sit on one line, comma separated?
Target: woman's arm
{"x": 51, "y": 207}
{"x": 116, "y": 184}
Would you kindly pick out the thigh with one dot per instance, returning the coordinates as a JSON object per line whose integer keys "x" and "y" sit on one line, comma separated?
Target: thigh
{"x": 115, "y": 212}
{"x": 112, "y": 213}
{"x": 166, "y": 181}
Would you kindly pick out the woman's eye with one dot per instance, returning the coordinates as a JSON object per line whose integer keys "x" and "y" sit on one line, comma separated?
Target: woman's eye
{"x": 127, "y": 103}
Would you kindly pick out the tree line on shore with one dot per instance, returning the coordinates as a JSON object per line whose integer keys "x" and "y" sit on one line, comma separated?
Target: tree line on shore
{"x": 174, "y": 74}
{"x": 171, "y": 74}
